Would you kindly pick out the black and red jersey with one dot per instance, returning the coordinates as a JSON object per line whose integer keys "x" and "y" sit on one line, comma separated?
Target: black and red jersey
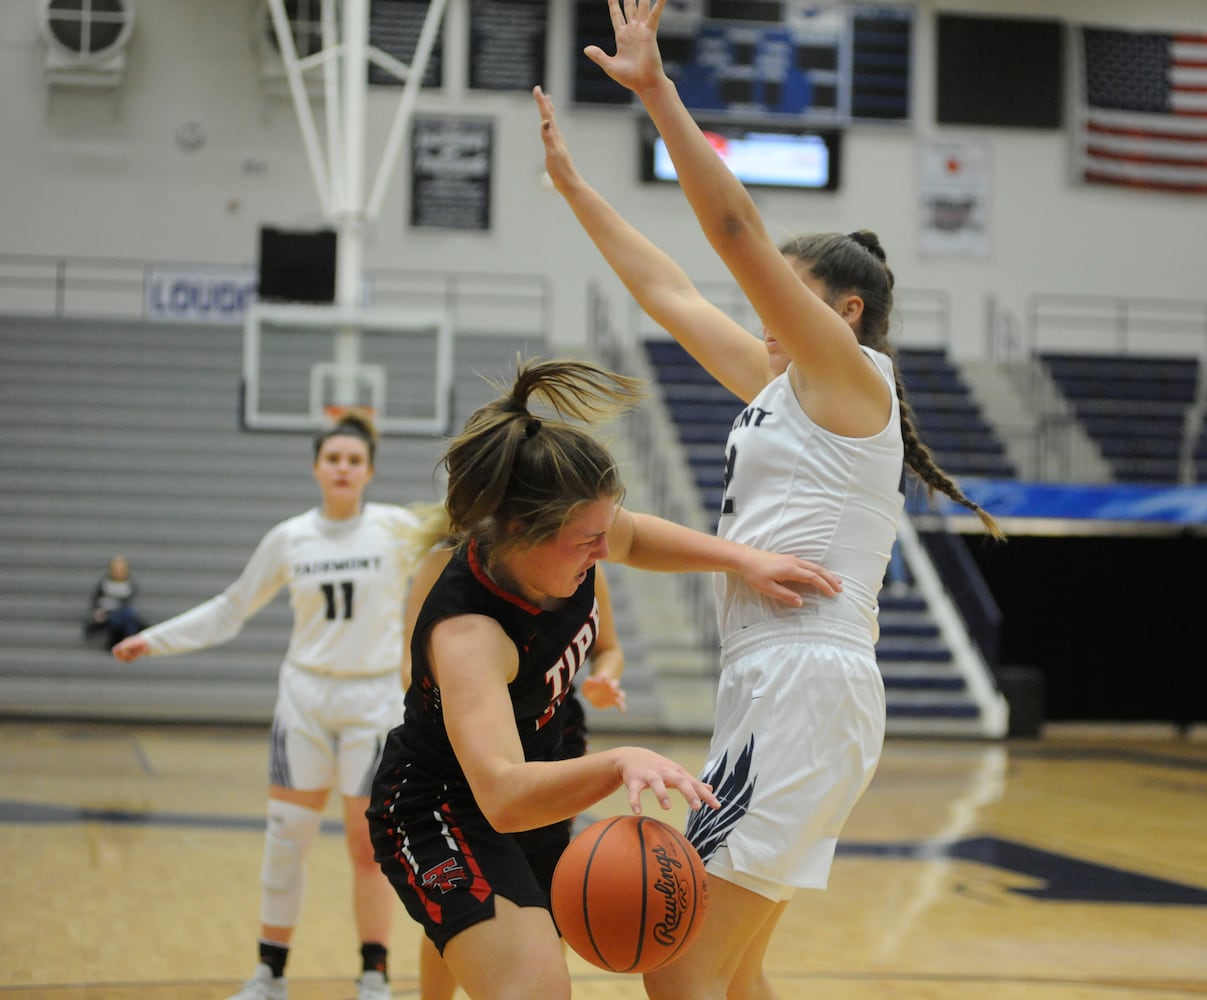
{"x": 552, "y": 647}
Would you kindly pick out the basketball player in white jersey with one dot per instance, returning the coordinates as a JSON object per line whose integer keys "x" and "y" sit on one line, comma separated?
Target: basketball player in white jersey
{"x": 812, "y": 467}
{"x": 346, "y": 564}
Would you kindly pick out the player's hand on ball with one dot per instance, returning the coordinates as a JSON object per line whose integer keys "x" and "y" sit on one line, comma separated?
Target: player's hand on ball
{"x": 641, "y": 769}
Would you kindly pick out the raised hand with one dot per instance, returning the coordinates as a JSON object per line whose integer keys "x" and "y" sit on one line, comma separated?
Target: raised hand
{"x": 637, "y": 63}
{"x": 558, "y": 164}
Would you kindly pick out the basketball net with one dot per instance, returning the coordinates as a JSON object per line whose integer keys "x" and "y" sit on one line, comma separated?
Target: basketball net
{"x": 335, "y": 413}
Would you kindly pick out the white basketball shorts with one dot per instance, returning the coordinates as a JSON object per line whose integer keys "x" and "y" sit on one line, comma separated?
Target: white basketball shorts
{"x": 799, "y": 729}
{"x": 329, "y": 731}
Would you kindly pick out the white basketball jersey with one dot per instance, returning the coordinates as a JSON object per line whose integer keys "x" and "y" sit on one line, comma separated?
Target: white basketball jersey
{"x": 347, "y": 582}
{"x": 796, "y": 488}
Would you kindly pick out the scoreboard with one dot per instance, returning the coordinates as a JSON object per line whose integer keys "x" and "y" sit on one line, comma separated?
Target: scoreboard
{"x": 824, "y": 64}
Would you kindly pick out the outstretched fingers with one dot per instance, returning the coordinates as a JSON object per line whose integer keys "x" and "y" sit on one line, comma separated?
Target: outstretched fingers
{"x": 644, "y": 769}
{"x": 655, "y": 785}
{"x": 543, "y": 104}
{"x": 558, "y": 165}
{"x": 649, "y": 11}
{"x": 637, "y": 63}
{"x": 617, "y": 15}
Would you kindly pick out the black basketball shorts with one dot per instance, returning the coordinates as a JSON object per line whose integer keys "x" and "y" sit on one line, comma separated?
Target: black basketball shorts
{"x": 447, "y": 863}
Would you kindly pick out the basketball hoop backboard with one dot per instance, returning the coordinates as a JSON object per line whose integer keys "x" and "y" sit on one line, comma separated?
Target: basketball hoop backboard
{"x": 301, "y": 363}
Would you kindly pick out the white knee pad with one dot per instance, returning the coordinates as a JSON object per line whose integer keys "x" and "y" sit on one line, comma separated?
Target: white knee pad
{"x": 291, "y": 832}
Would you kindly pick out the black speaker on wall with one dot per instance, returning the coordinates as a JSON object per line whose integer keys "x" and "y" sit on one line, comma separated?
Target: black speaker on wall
{"x": 999, "y": 71}
{"x": 297, "y": 265}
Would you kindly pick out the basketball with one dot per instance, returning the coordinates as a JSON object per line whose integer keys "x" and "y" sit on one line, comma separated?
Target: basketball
{"x": 629, "y": 893}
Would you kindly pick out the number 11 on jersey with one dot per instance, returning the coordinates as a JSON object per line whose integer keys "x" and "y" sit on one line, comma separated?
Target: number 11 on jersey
{"x": 333, "y": 600}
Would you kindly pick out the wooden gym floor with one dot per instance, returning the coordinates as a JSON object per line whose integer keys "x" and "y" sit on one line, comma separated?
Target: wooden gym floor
{"x": 1072, "y": 867}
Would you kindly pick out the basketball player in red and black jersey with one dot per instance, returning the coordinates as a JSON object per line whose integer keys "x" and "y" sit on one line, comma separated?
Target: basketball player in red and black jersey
{"x": 468, "y": 808}
{"x": 601, "y": 687}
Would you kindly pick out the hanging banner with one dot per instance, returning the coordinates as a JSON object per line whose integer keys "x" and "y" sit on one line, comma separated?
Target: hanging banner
{"x": 183, "y": 293}
{"x": 507, "y": 44}
{"x": 1084, "y": 502}
{"x": 394, "y": 27}
{"x": 451, "y": 161}
{"x": 954, "y": 197}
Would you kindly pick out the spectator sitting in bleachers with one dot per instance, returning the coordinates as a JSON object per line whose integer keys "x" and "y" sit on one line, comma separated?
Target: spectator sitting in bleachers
{"x": 112, "y": 613}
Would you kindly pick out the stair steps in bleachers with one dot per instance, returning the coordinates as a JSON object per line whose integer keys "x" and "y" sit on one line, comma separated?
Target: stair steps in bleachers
{"x": 920, "y": 678}
{"x": 949, "y": 418}
{"x": 1199, "y": 454}
{"x": 1135, "y": 408}
{"x": 125, "y": 437}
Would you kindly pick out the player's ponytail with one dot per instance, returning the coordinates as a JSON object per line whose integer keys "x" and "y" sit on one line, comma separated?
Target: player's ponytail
{"x": 514, "y": 476}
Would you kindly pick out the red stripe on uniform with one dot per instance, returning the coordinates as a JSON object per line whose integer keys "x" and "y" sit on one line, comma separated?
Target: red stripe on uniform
{"x": 479, "y": 887}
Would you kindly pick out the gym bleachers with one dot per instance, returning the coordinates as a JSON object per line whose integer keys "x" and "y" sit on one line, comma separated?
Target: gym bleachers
{"x": 948, "y": 418}
{"x": 124, "y": 437}
{"x": 920, "y": 678}
{"x": 1200, "y": 454}
{"x": 1134, "y": 408}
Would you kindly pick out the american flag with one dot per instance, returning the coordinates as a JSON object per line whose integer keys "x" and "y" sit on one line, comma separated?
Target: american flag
{"x": 1144, "y": 119}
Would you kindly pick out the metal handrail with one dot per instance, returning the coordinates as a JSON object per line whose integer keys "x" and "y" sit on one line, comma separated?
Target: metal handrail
{"x": 87, "y": 287}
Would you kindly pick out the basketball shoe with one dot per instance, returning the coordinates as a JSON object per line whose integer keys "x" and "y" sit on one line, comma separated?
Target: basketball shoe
{"x": 372, "y": 985}
{"x": 262, "y": 986}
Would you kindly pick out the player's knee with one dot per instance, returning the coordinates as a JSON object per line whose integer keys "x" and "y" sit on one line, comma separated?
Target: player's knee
{"x": 360, "y": 853}
{"x": 291, "y": 833}
{"x": 665, "y": 984}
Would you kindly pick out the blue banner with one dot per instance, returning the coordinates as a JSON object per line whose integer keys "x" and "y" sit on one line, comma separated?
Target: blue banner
{"x": 1082, "y": 501}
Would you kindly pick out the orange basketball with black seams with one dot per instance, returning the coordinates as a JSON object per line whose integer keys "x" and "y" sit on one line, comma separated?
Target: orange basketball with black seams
{"x": 629, "y": 893}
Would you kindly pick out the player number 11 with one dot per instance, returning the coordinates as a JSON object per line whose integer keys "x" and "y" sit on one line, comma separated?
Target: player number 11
{"x": 345, "y": 590}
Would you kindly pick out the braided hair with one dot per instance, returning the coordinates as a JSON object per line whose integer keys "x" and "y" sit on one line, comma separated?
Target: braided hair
{"x": 856, "y": 262}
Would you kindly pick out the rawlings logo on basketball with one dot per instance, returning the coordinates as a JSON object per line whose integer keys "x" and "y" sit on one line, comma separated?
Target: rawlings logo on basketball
{"x": 444, "y": 876}
{"x": 676, "y": 894}
{"x": 629, "y": 893}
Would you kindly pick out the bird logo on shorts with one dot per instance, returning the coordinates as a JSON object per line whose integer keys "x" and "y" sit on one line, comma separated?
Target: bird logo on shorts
{"x": 708, "y": 828}
{"x": 444, "y": 876}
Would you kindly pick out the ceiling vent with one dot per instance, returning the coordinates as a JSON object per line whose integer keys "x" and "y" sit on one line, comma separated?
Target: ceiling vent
{"x": 86, "y": 40}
